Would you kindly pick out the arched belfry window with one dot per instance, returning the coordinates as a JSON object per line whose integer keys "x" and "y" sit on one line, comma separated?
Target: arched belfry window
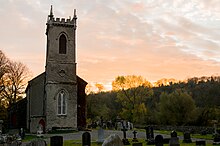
{"x": 62, "y": 44}
{"x": 62, "y": 103}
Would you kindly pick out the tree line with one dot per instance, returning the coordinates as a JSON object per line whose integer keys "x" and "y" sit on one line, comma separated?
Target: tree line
{"x": 195, "y": 101}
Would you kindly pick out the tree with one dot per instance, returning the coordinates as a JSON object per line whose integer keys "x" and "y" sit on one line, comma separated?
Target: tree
{"x": 176, "y": 108}
{"x": 3, "y": 68}
{"x": 132, "y": 94}
{"x": 100, "y": 87}
{"x": 102, "y": 104}
{"x": 14, "y": 82}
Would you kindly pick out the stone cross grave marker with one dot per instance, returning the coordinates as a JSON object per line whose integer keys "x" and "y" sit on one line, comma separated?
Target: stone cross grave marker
{"x": 135, "y": 136}
{"x": 125, "y": 140}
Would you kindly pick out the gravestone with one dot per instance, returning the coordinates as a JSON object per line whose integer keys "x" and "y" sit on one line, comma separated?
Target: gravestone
{"x": 187, "y": 138}
{"x": 86, "y": 139}
{"x": 125, "y": 140}
{"x": 101, "y": 137}
{"x": 159, "y": 140}
{"x": 135, "y": 136}
{"x": 113, "y": 140}
{"x": 22, "y": 133}
{"x": 1, "y": 125}
{"x": 1, "y": 138}
{"x": 174, "y": 140}
{"x": 137, "y": 144}
{"x": 215, "y": 127}
{"x": 216, "y": 139}
{"x": 39, "y": 131}
{"x": 166, "y": 140}
{"x": 37, "y": 142}
{"x": 56, "y": 141}
{"x": 200, "y": 143}
{"x": 149, "y": 135}
{"x": 15, "y": 143}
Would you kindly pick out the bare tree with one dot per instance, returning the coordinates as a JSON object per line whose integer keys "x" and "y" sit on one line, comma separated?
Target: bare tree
{"x": 14, "y": 82}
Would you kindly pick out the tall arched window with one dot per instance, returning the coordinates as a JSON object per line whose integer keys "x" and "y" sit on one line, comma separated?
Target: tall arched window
{"x": 62, "y": 44}
{"x": 62, "y": 104}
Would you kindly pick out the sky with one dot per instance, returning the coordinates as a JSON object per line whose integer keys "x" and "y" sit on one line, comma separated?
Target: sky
{"x": 152, "y": 38}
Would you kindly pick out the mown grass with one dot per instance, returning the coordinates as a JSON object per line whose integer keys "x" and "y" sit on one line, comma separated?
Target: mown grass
{"x": 199, "y": 136}
{"x": 78, "y": 143}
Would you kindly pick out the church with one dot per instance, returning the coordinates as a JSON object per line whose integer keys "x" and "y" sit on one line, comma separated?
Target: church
{"x": 56, "y": 98}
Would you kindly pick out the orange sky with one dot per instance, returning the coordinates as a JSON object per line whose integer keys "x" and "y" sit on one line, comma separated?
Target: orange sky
{"x": 152, "y": 38}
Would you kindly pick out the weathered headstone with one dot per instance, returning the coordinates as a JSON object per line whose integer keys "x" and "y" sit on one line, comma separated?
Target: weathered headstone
{"x": 86, "y": 139}
{"x": 15, "y": 143}
{"x": 174, "y": 140}
{"x": 37, "y": 142}
{"x": 216, "y": 139}
{"x": 101, "y": 136}
{"x": 137, "y": 144}
{"x": 200, "y": 143}
{"x": 113, "y": 140}
{"x": 159, "y": 140}
{"x": 39, "y": 131}
{"x": 166, "y": 140}
{"x": 215, "y": 126}
{"x": 187, "y": 138}
{"x": 119, "y": 126}
{"x": 1, "y": 138}
{"x": 22, "y": 133}
{"x": 1, "y": 125}
{"x": 149, "y": 135}
{"x": 56, "y": 141}
{"x": 147, "y": 132}
{"x": 135, "y": 136}
{"x": 125, "y": 140}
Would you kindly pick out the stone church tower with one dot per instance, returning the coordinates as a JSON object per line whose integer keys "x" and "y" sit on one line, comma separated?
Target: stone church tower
{"x": 61, "y": 79}
{"x": 56, "y": 98}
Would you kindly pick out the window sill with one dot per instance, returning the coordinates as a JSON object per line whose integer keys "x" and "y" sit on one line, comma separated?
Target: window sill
{"x": 62, "y": 116}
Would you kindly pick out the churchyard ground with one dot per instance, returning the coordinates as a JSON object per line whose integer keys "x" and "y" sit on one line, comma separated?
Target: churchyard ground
{"x": 75, "y": 139}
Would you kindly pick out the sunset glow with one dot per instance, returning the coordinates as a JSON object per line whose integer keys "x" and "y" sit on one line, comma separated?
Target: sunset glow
{"x": 152, "y": 38}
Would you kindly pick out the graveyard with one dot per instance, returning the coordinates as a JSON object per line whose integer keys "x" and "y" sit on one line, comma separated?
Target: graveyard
{"x": 130, "y": 137}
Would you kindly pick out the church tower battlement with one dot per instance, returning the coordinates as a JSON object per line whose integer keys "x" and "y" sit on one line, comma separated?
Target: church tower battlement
{"x": 61, "y": 22}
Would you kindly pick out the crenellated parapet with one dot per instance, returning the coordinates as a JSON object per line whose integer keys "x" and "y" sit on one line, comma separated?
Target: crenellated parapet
{"x": 51, "y": 21}
{"x": 62, "y": 22}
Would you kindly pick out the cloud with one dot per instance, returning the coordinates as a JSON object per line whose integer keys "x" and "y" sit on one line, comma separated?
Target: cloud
{"x": 156, "y": 39}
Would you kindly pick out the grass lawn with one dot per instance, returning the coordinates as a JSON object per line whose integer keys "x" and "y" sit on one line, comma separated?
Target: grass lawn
{"x": 78, "y": 143}
{"x": 199, "y": 136}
